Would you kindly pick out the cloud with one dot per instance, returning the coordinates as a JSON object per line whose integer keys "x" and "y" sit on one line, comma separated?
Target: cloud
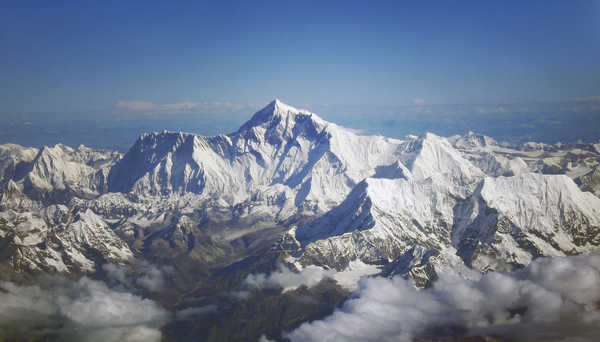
{"x": 145, "y": 276}
{"x": 83, "y": 310}
{"x": 136, "y": 105}
{"x": 283, "y": 278}
{"x": 264, "y": 338}
{"x": 116, "y": 274}
{"x": 179, "y": 107}
{"x": 153, "y": 278}
{"x": 552, "y": 299}
{"x": 286, "y": 279}
{"x": 418, "y": 101}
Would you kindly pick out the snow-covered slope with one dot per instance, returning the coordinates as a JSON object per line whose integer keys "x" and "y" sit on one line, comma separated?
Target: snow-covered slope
{"x": 511, "y": 220}
{"x": 55, "y": 174}
{"x": 383, "y": 217}
{"x": 572, "y": 159}
{"x": 15, "y": 161}
{"x": 431, "y": 156}
{"x": 590, "y": 181}
{"x": 378, "y": 221}
{"x": 81, "y": 172}
{"x": 39, "y": 229}
{"x": 504, "y": 224}
{"x": 55, "y": 239}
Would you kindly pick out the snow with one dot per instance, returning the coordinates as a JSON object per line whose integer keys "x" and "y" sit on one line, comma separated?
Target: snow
{"x": 526, "y": 195}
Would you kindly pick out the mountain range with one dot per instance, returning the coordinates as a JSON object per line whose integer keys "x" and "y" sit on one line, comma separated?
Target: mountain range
{"x": 309, "y": 192}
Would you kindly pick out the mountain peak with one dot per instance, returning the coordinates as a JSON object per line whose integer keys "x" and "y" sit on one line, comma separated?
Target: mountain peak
{"x": 278, "y": 107}
{"x": 276, "y": 102}
{"x": 275, "y": 112}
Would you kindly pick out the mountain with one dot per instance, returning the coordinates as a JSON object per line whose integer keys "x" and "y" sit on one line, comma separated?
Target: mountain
{"x": 383, "y": 217}
{"x": 590, "y": 181}
{"x": 191, "y": 221}
{"x": 57, "y": 239}
{"x": 301, "y": 160}
{"x": 502, "y": 224}
{"x": 523, "y": 217}
{"x": 288, "y": 181}
{"x": 59, "y": 173}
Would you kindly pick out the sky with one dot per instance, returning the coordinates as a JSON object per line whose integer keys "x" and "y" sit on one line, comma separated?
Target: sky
{"x": 207, "y": 66}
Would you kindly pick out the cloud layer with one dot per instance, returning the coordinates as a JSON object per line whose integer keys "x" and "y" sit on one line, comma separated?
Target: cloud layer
{"x": 552, "y": 299}
{"x": 83, "y": 310}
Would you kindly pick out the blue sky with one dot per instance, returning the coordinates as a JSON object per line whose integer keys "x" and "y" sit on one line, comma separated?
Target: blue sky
{"x": 107, "y": 60}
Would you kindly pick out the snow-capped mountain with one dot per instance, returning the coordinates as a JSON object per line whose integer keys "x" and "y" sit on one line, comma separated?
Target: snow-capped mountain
{"x": 56, "y": 174}
{"x": 57, "y": 239}
{"x": 501, "y": 224}
{"x": 509, "y": 221}
{"x": 303, "y": 160}
{"x": 417, "y": 205}
{"x": 383, "y": 217}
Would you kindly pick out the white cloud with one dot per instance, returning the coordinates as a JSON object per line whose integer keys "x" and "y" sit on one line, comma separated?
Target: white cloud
{"x": 552, "y": 299}
{"x": 136, "y": 105}
{"x": 287, "y": 279}
{"x": 283, "y": 278}
{"x": 153, "y": 278}
{"x": 83, "y": 310}
{"x": 116, "y": 274}
{"x": 264, "y": 338}
{"x": 144, "y": 275}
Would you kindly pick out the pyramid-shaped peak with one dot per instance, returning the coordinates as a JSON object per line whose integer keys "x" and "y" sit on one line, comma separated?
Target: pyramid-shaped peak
{"x": 278, "y": 107}
{"x": 276, "y": 112}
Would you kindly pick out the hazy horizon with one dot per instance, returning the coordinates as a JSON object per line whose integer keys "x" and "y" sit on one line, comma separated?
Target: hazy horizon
{"x": 513, "y": 123}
